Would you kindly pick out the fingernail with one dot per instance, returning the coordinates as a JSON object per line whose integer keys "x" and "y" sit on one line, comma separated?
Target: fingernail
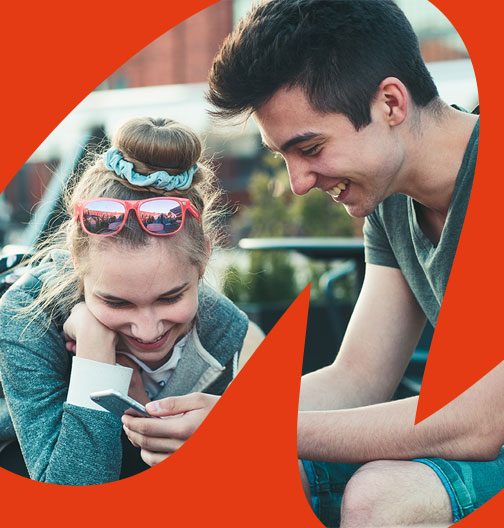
{"x": 153, "y": 407}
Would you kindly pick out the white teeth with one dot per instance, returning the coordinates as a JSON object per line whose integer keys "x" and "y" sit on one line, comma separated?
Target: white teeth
{"x": 334, "y": 192}
{"x": 338, "y": 189}
{"x": 150, "y": 342}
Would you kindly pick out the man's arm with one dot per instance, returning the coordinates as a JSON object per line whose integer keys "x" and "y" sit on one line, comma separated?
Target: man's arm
{"x": 469, "y": 428}
{"x": 348, "y": 419}
{"x": 381, "y": 336}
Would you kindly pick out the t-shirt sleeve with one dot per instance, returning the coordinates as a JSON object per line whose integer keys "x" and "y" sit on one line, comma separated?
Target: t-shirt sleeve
{"x": 377, "y": 247}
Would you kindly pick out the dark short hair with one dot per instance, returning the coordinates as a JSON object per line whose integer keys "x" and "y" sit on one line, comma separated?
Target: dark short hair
{"x": 337, "y": 51}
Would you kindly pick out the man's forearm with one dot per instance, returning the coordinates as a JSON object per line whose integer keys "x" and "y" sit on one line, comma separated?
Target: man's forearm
{"x": 338, "y": 387}
{"x": 327, "y": 389}
{"x": 471, "y": 427}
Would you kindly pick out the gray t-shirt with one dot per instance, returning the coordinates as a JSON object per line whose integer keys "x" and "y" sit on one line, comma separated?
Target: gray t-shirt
{"x": 394, "y": 238}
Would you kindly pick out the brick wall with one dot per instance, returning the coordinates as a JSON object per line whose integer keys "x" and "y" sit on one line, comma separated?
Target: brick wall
{"x": 182, "y": 55}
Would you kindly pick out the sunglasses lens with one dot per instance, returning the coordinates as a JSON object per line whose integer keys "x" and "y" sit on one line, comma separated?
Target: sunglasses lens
{"x": 103, "y": 217}
{"x": 161, "y": 217}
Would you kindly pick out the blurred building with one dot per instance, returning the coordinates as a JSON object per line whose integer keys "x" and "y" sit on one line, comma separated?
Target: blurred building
{"x": 175, "y": 66}
{"x": 182, "y": 55}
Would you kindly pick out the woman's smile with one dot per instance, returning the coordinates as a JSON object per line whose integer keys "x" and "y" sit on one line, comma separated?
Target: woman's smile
{"x": 156, "y": 344}
{"x": 150, "y": 304}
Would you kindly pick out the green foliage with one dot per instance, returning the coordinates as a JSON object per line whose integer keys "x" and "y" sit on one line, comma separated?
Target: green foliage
{"x": 272, "y": 277}
{"x": 236, "y": 284}
{"x": 317, "y": 216}
{"x": 276, "y": 212}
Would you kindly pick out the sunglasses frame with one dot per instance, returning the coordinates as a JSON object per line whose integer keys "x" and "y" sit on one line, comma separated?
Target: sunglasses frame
{"x": 134, "y": 205}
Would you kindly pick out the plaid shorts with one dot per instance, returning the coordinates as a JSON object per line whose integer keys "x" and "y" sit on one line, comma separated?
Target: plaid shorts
{"x": 468, "y": 484}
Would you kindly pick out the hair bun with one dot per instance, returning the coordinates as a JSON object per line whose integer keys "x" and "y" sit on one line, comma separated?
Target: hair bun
{"x": 158, "y": 144}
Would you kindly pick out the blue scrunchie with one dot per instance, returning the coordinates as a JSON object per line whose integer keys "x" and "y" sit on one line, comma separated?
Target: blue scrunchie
{"x": 114, "y": 161}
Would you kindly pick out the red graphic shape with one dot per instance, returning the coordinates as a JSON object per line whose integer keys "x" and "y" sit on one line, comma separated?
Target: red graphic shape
{"x": 52, "y": 57}
{"x": 465, "y": 345}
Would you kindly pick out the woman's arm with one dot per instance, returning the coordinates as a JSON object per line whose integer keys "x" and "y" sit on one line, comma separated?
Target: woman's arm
{"x": 253, "y": 339}
{"x": 61, "y": 443}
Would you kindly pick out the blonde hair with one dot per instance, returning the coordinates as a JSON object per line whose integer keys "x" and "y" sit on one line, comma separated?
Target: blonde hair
{"x": 150, "y": 145}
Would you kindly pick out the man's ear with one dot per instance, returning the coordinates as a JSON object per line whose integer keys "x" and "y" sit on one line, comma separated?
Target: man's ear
{"x": 392, "y": 101}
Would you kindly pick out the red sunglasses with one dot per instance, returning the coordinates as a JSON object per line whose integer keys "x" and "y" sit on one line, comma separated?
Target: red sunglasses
{"x": 163, "y": 216}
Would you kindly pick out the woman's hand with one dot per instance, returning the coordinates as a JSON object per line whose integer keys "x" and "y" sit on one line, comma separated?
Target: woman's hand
{"x": 87, "y": 337}
{"x": 158, "y": 439}
{"x": 136, "y": 388}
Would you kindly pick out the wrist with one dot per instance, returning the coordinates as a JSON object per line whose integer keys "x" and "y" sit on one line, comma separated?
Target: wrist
{"x": 102, "y": 350}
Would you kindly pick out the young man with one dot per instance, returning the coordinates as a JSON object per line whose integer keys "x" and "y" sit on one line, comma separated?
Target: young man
{"x": 339, "y": 89}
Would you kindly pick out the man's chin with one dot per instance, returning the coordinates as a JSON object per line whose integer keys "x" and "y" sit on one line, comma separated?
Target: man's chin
{"x": 358, "y": 211}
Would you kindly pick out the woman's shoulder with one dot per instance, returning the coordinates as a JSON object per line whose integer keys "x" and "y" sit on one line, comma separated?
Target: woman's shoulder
{"x": 22, "y": 292}
{"x": 26, "y": 289}
{"x": 219, "y": 318}
{"x": 216, "y": 306}
{"x": 27, "y": 286}
{"x": 26, "y": 332}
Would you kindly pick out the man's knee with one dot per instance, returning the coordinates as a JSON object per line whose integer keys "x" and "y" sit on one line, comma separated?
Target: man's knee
{"x": 390, "y": 493}
{"x": 363, "y": 495}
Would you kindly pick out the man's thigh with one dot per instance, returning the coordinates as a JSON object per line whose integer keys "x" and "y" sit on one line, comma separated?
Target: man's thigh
{"x": 464, "y": 486}
{"x": 469, "y": 484}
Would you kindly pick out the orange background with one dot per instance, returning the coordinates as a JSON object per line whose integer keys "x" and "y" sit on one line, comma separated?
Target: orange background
{"x": 240, "y": 468}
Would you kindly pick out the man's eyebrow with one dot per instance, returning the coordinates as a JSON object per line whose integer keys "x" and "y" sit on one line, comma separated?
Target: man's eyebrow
{"x": 291, "y": 142}
{"x": 297, "y": 139}
{"x": 173, "y": 291}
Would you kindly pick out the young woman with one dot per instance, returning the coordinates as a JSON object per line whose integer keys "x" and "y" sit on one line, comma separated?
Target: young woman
{"x": 117, "y": 302}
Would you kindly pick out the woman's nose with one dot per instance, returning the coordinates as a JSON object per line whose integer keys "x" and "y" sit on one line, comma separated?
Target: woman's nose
{"x": 146, "y": 325}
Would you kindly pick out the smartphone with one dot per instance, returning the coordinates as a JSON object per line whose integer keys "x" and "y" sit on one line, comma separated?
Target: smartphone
{"x": 118, "y": 403}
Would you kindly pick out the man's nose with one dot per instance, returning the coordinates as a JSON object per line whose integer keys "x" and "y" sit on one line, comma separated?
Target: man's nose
{"x": 300, "y": 177}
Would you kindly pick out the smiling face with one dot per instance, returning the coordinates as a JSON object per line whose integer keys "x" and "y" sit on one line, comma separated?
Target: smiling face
{"x": 359, "y": 169}
{"x": 147, "y": 295}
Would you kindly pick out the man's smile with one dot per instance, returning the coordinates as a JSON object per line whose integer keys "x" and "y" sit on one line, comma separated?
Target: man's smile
{"x": 336, "y": 191}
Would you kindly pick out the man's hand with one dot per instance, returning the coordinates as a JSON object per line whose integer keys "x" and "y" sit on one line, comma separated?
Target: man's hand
{"x": 87, "y": 337}
{"x": 182, "y": 415}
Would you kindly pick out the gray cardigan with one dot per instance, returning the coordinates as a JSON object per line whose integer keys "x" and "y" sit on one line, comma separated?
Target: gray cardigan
{"x": 65, "y": 444}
